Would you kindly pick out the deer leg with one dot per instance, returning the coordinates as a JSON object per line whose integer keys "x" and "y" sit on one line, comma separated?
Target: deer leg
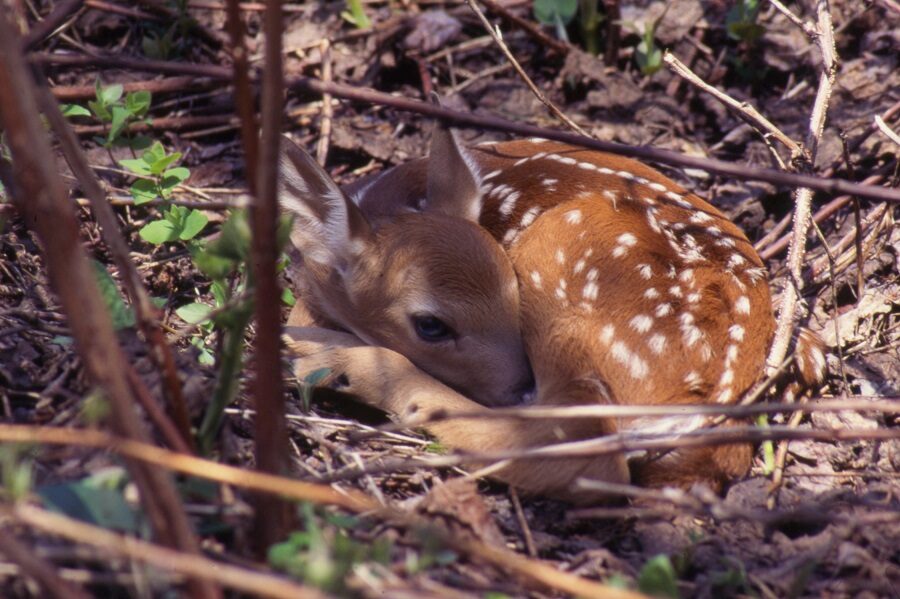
{"x": 389, "y": 381}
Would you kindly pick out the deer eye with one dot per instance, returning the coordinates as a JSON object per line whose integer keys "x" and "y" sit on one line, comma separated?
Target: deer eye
{"x": 431, "y": 328}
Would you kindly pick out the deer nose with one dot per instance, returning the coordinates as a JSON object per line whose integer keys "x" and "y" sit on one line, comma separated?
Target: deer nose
{"x": 524, "y": 391}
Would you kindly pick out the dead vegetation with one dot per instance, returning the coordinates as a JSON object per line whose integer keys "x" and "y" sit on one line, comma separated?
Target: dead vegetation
{"x": 372, "y": 507}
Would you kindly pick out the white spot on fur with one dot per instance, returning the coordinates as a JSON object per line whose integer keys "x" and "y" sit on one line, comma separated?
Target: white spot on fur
{"x": 637, "y": 368}
{"x": 657, "y": 187}
{"x": 645, "y": 270}
{"x": 687, "y": 275}
{"x": 700, "y": 217}
{"x": 693, "y": 298}
{"x": 592, "y": 274}
{"x": 727, "y": 377}
{"x": 641, "y": 323}
{"x": 627, "y": 239}
{"x": 724, "y": 395}
{"x": 742, "y": 305}
{"x": 560, "y": 256}
{"x": 607, "y": 333}
{"x": 693, "y": 380}
{"x": 657, "y": 343}
{"x": 509, "y": 203}
{"x": 590, "y": 291}
{"x": 675, "y": 291}
{"x": 492, "y": 174}
{"x": 573, "y": 217}
{"x": 663, "y": 310}
{"x": 529, "y": 216}
{"x": 736, "y": 332}
{"x": 651, "y": 293}
{"x": 536, "y": 278}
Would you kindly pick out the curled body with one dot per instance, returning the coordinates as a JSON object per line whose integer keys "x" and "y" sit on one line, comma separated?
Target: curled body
{"x": 629, "y": 289}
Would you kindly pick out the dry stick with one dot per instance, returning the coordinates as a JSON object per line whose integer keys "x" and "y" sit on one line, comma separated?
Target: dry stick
{"x": 737, "y": 171}
{"x": 69, "y": 93}
{"x": 270, "y": 437}
{"x": 530, "y": 29}
{"x": 240, "y": 579}
{"x": 808, "y": 29}
{"x": 48, "y": 24}
{"x": 744, "y": 110}
{"x": 770, "y": 237}
{"x": 888, "y": 132}
{"x": 48, "y": 211}
{"x": 498, "y": 39}
{"x": 243, "y": 90}
{"x": 857, "y": 218}
{"x": 34, "y": 567}
{"x": 146, "y": 312}
{"x": 822, "y": 214}
{"x": 740, "y": 172}
{"x": 527, "y": 569}
{"x": 523, "y": 522}
{"x": 167, "y": 123}
{"x": 787, "y": 313}
{"x": 327, "y": 108}
{"x": 133, "y": 13}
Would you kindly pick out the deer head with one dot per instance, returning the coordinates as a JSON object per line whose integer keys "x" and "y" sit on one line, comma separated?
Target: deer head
{"x": 433, "y": 287}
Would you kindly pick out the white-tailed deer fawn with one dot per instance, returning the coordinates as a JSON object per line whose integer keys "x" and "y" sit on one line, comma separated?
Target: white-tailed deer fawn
{"x": 631, "y": 290}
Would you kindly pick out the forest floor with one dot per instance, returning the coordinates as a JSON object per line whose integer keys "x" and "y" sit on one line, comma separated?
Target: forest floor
{"x": 834, "y": 526}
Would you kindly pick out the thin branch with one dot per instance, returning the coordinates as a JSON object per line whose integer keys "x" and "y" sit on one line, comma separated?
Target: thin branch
{"x": 45, "y": 206}
{"x": 270, "y": 437}
{"x": 807, "y": 28}
{"x": 195, "y": 566}
{"x": 45, "y": 574}
{"x": 744, "y": 110}
{"x": 498, "y": 39}
{"x": 327, "y": 108}
{"x": 741, "y": 172}
{"x": 888, "y": 132}
{"x": 787, "y": 314}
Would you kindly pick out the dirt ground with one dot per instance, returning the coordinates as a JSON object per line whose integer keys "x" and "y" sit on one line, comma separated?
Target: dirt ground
{"x": 835, "y": 527}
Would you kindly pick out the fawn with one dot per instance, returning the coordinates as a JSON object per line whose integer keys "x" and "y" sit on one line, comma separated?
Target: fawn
{"x": 614, "y": 284}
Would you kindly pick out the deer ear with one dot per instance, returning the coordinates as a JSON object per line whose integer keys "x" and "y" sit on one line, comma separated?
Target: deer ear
{"x": 328, "y": 227}
{"x": 454, "y": 184}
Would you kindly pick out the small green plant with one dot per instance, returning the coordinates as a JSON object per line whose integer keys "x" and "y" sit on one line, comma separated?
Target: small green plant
{"x": 657, "y": 577}
{"x": 768, "y": 447}
{"x": 323, "y": 553}
{"x": 557, "y": 14}
{"x": 741, "y": 21}
{"x": 356, "y": 14}
{"x": 110, "y": 108}
{"x": 16, "y": 469}
{"x": 159, "y": 179}
{"x": 647, "y": 54}
{"x": 165, "y": 43}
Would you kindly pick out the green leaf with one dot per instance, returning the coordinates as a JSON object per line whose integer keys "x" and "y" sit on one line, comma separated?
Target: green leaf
{"x": 193, "y": 224}
{"x": 121, "y": 314}
{"x": 111, "y": 94}
{"x": 154, "y": 153}
{"x": 234, "y": 240}
{"x": 179, "y": 174}
{"x": 119, "y": 120}
{"x": 96, "y": 505}
{"x": 143, "y": 191}
{"x": 657, "y": 578}
{"x": 138, "y": 166}
{"x": 213, "y": 266}
{"x": 194, "y": 313}
{"x": 162, "y": 163}
{"x": 287, "y": 297}
{"x": 549, "y": 11}
{"x": 69, "y": 110}
{"x": 138, "y": 103}
{"x": 159, "y": 231}
{"x": 100, "y": 110}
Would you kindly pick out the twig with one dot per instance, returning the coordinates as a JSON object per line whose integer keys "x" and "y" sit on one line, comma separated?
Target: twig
{"x": 44, "y": 203}
{"x": 498, "y": 39}
{"x": 528, "y": 570}
{"x": 327, "y": 110}
{"x": 888, "y": 132}
{"x": 740, "y": 172}
{"x": 807, "y": 28}
{"x": 270, "y": 438}
{"x": 523, "y": 522}
{"x": 68, "y": 93}
{"x": 34, "y": 567}
{"x": 43, "y": 28}
{"x": 147, "y": 313}
{"x": 195, "y": 566}
{"x": 244, "y": 103}
{"x": 787, "y": 313}
{"x": 528, "y": 27}
{"x": 744, "y": 110}
{"x": 857, "y": 218}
